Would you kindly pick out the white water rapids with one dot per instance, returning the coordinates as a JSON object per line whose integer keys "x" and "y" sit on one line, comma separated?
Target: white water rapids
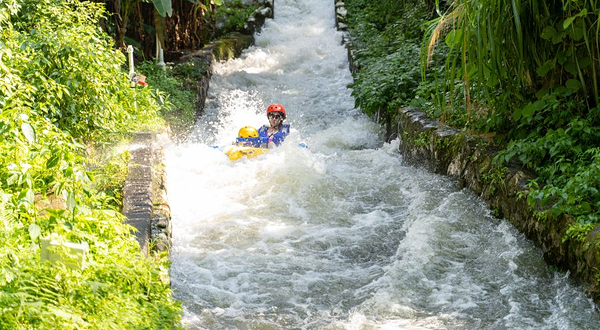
{"x": 341, "y": 235}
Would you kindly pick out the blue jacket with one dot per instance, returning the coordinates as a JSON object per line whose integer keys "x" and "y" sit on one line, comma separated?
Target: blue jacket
{"x": 276, "y": 137}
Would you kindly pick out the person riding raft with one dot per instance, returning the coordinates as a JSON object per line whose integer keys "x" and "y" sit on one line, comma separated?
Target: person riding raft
{"x": 266, "y": 136}
{"x": 274, "y": 134}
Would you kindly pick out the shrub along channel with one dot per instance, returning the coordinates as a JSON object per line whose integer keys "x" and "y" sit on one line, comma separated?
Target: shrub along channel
{"x": 67, "y": 260}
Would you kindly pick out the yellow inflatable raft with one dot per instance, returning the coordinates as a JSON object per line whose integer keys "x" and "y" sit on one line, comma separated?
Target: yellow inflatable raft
{"x": 237, "y": 152}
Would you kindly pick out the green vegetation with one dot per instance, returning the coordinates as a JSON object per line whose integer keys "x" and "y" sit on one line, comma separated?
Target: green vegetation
{"x": 65, "y": 100}
{"x": 526, "y": 70}
{"x": 233, "y": 15}
{"x": 387, "y": 52}
{"x": 176, "y": 86}
{"x": 494, "y": 178}
{"x": 181, "y": 25}
{"x": 185, "y": 24}
{"x": 179, "y": 84}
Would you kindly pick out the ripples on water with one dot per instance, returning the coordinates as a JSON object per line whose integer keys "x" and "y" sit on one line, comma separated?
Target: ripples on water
{"x": 341, "y": 235}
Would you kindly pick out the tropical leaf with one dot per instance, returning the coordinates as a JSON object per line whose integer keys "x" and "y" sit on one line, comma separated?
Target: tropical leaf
{"x": 163, "y": 7}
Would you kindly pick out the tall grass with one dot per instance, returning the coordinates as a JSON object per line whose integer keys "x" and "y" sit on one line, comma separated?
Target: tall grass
{"x": 513, "y": 52}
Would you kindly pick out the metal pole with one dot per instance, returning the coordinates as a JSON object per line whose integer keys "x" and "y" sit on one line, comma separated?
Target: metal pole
{"x": 131, "y": 68}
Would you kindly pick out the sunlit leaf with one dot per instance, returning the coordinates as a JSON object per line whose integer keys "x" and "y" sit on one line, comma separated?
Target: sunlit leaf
{"x": 71, "y": 201}
{"x": 34, "y": 231}
{"x": 30, "y": 196}
{"x": 28, "y": 132}
{"x": 568, "y": 22}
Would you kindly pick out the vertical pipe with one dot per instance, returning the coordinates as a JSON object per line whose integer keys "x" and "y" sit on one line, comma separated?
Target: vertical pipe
{"x": 131, "y": 68}
{"x": 160, "y": 54}
{"x": 131, "y": 71}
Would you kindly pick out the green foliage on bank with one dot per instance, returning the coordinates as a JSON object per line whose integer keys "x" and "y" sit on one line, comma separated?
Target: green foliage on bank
{"x": 525, "y": 70}
{"x": 176, "y": 83}
{"x": 232, "y": 16}
{"x": 176, "y": 87}
{"x": 65, "y": 100}
{"x": 387, "y": 39}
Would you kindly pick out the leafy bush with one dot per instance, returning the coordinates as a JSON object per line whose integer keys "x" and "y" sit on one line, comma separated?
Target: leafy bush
{"x": 232, "y": 16}
{"x": 74, "y": 76}
{"x": 537, "y": 73}
{"x": 175, "y": 88}
{"x": 567, "y": 161}
{"x": 62, "y": 86}
{"x": 387, "y": 81}
{"x": 387, "y": 38}
{"x": 512, "y": 53}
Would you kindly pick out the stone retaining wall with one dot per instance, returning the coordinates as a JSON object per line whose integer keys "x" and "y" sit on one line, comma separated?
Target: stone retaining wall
{"x": 145, "y": 202}
{"x": 469, "y": 158}
{"x": 137, "y": 192}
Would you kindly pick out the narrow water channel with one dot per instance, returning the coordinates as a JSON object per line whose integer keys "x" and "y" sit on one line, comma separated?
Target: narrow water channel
{"x": 340, "y": 235}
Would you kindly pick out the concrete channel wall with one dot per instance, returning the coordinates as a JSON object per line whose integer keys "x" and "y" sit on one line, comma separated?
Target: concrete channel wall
{"x": 469, "y": 158}
{"x": 145, "y": 202}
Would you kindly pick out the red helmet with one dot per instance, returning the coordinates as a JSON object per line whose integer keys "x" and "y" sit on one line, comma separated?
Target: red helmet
{"x": 276, "y": 108}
